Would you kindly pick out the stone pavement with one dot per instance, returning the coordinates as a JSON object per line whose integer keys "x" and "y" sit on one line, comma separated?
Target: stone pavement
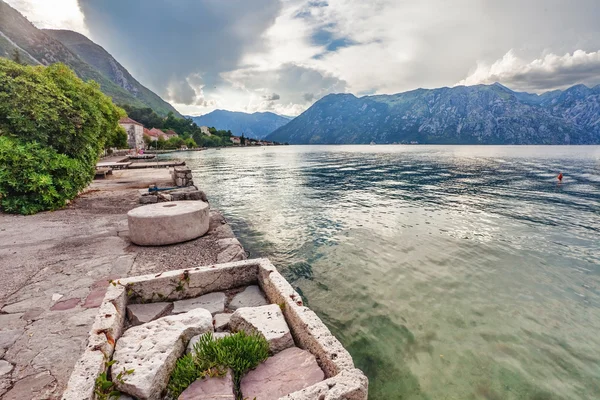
{"x": 54, "y": 270}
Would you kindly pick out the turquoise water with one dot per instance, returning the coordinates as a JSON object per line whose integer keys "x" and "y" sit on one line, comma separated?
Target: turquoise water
{"x": 448, "y": 272}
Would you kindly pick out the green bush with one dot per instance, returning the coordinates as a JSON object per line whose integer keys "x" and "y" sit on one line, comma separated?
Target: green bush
{"x": 53, "y": 127}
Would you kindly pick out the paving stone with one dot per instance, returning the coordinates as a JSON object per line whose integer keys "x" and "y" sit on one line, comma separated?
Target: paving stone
{"x": 252, "y": 296}
{"x": 65, "y": 304}
{"x": 152, "y": 350}
{"x": 94, "y": 299}
{"x": 231, "y": 254}
{"x": 221, "y": 322}
{"x": 142, "y": 313}
{"x": 8, "y": 338}
{"x": 33, "y": 387}
{"x": 265, "y": 320}
{"x": 33, "y": 314}
{"x": 216, "y": 335}
{"x": 12, "y": 321}
{"x": 286, "y": 372}
{"x": 215, "y": 388}
{"x": 27, "y": 304}
{"x": 5, "y": 367}
{"x": 213, "y": 302}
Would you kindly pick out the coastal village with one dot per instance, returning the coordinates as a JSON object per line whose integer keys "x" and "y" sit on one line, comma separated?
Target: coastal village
{"x": 141, "y": 138}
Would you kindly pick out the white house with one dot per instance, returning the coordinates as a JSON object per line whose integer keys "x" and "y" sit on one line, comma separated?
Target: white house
{"x": 135, "y": 133}
{"x": 204, "y": 130}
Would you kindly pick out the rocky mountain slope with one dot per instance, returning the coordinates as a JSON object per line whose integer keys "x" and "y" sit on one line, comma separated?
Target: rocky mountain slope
{"x": 482, "y": 114}
{"x": 88, "y": 60}
{"x": 256, "y": 125}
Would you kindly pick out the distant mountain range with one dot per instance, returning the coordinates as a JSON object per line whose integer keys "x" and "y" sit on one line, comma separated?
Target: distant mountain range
{"x": 256, "y": 125}
{"x": 482, "y": 114}
{"x": 87, "y": 59}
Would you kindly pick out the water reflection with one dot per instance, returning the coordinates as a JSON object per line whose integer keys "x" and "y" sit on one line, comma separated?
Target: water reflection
{"x": 448, "y": 272}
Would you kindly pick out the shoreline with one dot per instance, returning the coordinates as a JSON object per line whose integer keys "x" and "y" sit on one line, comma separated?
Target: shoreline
{"x": 55, "y": 268}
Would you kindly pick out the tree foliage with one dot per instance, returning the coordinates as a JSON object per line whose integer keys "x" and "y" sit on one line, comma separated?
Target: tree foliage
{"x": 53, "y": 127}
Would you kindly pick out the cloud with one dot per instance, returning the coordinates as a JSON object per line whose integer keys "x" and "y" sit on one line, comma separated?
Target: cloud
{"x": 271, "y": 97}
{"x": 546, "y": 73}
{"x": 201, "y": 54}
{"x": 52, "y": 14}
{"x": 289, "y": 81}
{"x": 167, "y": 44}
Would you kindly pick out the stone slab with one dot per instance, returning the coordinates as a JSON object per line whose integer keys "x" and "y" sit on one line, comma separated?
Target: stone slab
{"x": 290, "y": 370}
{"x": 268, "y": 321}
{"x": 168, "y": 223}
{"x": 152, "y": 350}
{"x": 12, "y": 321}
{"x": 213, "y": 302}
{"x": 5, "y": 367}
{"x": 142, "y": 313}
{"x": 8, "y": 338}
{"x": 215, "y": 388}
{"x": 33, "y": 387}
{"x": 216, "y": 335}
{"x": 94, "y": 299}
{"x": 65, "y": 304}
{"x": 221, "y": 322}
{"x": 252, "y": 296}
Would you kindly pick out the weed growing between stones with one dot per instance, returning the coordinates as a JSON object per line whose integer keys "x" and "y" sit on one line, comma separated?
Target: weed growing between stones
{"x": 212, "y": 357}
{"x": 104, "y": 388}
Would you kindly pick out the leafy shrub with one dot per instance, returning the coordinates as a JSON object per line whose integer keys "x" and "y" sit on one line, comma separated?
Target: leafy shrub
{"x": 53, "y": 126}
{"x": 239, "y": 352}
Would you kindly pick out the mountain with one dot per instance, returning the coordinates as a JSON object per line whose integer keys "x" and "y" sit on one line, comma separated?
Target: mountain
{"x": 256, "y": 125}
{"x": 88, "y": 60}
{"x": 481, "y": 114}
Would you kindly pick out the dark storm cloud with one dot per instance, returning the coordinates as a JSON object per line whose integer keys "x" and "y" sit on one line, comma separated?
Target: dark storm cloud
{"x": 163, "y": 42}
{"x": 271, "y": 97}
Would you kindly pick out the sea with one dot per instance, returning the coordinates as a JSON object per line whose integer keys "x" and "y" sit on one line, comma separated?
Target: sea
{"x": 448, "y": 272}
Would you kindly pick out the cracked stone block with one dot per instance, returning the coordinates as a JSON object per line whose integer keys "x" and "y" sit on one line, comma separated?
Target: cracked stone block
{"x": 252, "y": 296}
{"x": 65, "y": 304}
{"x": 33, "y": 314}
{"x": 196, "y": 195}
{"x": 8, "y": 338}
{"x": 286, "y": 372}
{"x": 268, "y": 321}
{"x": 216, "y": 335}
{"x": 5, "y": 367}
{"x": 214, "y": 388}
{"x": 213, "y": 302}
{"x": 152, "y": 350}
{"x": 231, "y": 254}
{"x": 221, "y": 322}
{"x": 142, "y": 313}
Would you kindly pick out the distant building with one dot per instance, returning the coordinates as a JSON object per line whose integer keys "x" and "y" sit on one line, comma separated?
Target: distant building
{"x": 236, "y": 140}
{"x": 170, "y": 133}
{"x": 204, "y": 130}
{"x": 135, "y": 133}
{"x": 158, "y": 133}
{"x": 152, "y": 135}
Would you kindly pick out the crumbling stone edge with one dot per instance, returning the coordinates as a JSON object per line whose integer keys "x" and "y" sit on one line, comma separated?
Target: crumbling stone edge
{"x": 344, "y": 381}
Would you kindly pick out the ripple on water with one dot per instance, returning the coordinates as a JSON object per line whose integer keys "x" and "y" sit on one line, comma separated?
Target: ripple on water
{"x": 457, "y": 272}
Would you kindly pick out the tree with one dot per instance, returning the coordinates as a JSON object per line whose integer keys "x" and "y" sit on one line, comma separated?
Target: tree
{"x": 16, "y": 57}
{"x": 190, "y": 143}
{"x": 243, "y": 140}
{"x": 53, "y": 128}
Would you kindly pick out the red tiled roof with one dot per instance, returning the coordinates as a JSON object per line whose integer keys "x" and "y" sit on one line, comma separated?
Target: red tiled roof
{"x": 158, "y": 133}
{"x": 171, "y": 133}
{"x": 128, "y": 120}
{"x": 148, "y": 132}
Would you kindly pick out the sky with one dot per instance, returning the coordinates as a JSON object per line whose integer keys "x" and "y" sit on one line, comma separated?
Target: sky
{"x": 283, "y": 55}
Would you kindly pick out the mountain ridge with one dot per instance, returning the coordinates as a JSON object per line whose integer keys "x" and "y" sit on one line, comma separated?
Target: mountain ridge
{"x": 479, "y": 114}
{"x": 37, "y": 47}
{"x": 256, "y": 125}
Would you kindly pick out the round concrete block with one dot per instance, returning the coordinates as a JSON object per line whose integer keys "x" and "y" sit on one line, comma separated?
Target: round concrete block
{"x": 168, "y": 223}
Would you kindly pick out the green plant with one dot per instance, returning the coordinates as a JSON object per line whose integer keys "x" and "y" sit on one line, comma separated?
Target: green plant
{"x": 53, "y": 127}
{"x": 212, "y": 357}
{"x": 105, "y": 389}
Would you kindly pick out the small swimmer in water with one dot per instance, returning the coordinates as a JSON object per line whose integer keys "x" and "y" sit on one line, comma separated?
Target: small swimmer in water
{"x": 559, "y": 177}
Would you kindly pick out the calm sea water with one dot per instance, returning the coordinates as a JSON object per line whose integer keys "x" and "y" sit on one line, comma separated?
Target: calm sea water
{"x": 448, "y": 272}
